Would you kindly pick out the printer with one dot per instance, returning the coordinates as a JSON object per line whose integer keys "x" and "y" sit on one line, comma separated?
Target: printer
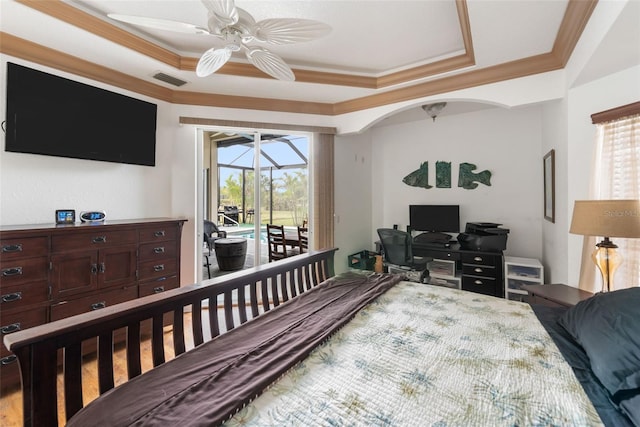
{"x": 483, "y": 236}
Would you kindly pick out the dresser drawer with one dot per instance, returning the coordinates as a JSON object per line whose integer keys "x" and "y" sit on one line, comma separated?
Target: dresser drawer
{"x": 479, "y": 270}
{"x": 158, "y": 250}
{"x": 482, "y": 285}
{"x": 153, "y": 269}
{"x": 98, "y": 238}
{"x": 14, "y": 321}
{"x": 96, "y": 301}
{"x": 16, "y": 297}
{"x": 481, "y": 259}
{"x": 158, "y": 286}
{"x": 17, "y": 271}
{"x": 23, "y": 248}
{"x": 159, "y": 233}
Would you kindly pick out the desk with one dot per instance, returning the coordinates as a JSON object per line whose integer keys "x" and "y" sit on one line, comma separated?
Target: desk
{"x": 481, "y": 271}
{"x": 555, "y": 295}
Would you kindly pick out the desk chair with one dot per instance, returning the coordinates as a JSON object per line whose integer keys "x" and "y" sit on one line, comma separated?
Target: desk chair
{"x": 277, "y": 242}
{"x": 208, "y": 230}
{"x": 398, "y": 253}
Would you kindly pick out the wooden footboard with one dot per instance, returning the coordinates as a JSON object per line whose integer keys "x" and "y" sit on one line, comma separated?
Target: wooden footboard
{"x": 239, "y": 296}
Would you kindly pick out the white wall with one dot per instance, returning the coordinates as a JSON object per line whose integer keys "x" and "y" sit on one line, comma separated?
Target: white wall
{"x": 505, "y": 142}
{"x": 32, "y": 186}
{"x": 608, "y": 92}
{"x": 354, "y": 185}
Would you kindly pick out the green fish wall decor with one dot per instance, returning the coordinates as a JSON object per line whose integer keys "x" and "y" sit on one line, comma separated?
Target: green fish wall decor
{"x": 467, "y": 178}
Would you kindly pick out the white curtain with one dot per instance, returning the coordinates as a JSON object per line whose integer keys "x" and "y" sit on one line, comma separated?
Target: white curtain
{"x": 616, "y": 176}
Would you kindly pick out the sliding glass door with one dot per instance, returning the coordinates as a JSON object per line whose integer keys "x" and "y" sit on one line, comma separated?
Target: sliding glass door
{"x": 254, "y": 179}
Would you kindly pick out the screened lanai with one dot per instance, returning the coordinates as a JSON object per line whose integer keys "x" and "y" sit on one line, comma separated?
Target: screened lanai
{"x": 283, "y": 182}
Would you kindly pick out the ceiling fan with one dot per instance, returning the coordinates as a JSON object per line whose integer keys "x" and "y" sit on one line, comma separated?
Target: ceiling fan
{"x": 237, "y": 28}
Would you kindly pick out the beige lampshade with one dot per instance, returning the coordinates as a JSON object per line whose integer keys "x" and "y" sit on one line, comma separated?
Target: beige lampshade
{"x": 606, "y": 218}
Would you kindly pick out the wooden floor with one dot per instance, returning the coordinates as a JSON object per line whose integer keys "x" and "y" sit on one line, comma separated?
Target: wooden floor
{"x": 11, "y": 401}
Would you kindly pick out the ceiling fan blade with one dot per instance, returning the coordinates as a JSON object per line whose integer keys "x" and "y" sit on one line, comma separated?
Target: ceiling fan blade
{"x": 159, "y": 24}
{"x": 212, "y": 60}
{"x": 270, "y": 63}
{"x": 289, "y": 30}
{"x": 224, "y": 10}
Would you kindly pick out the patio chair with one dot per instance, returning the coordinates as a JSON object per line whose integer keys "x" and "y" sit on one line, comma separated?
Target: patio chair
{"x": 277, "y": 242}
{"x": 208, "y": 234}
{"x": 303, "y": 239}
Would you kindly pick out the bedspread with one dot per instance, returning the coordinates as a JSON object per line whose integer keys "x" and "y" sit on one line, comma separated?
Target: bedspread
{"x": 422, "y": 355}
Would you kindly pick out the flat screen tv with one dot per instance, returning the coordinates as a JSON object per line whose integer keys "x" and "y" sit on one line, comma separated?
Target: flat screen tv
{"x": 54, "y": 116}
{"x": 435, "y": 218}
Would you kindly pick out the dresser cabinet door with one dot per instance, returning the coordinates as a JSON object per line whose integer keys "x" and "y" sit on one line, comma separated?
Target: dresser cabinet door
{"x": 74, "y": 273}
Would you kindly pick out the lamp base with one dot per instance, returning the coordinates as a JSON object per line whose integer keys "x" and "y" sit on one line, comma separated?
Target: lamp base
{"x": 608, "y": 260}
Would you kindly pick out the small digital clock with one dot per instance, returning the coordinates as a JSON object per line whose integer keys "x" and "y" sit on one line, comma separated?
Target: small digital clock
{"x": 93, "y": 216}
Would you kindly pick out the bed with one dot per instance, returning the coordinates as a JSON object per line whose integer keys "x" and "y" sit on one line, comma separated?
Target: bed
{"x": 356, "y": 349}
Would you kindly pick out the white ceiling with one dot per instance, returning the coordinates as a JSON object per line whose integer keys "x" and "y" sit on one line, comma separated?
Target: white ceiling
{"x": 368, "y": 39}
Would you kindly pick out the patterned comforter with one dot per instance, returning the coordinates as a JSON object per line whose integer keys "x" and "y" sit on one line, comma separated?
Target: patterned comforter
{"x": 422, "y": 355}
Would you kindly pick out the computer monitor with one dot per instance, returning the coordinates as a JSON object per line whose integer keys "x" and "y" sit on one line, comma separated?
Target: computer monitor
{"x": 435, "y": 218}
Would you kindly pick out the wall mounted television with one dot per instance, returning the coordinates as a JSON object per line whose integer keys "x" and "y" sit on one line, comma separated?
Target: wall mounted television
{"x": 55, "y": 116}
{"x": 435, "y": 218}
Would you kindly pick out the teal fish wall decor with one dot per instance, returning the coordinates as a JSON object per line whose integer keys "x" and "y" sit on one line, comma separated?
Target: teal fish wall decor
{"x": 443, "y": 174}
{"x": 419, "y": 178}
{"x": 467, "y": 179}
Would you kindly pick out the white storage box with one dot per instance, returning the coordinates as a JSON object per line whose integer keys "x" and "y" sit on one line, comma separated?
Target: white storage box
{"x": 441, "y": 268}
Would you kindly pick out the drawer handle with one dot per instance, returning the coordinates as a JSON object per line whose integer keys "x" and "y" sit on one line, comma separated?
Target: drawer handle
{"x": 478, "y": 282}
{"x": 8, "y": 360}
{"x": 102, "y": 268}
{"x": 98, "y": 305}
{"x": 9, "y": 329}
{"x": 94, "y": 268}
{"x": 477, "y": 270}
{"x": 158, "y": 289}
{"x": 159, "y": 250}
{"x": 478, "y": 258}
{"x": 14, "y": 271}
{"x": 12, "y": 248}
{"x": 99, "y": 239}
{"x": 12, "y": 297}
{"x": 159, "y": 267}
{"x": 159, "y": 233}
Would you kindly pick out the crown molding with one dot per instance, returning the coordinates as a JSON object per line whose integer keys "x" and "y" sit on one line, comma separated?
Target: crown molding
{"x": 573, "y": 23}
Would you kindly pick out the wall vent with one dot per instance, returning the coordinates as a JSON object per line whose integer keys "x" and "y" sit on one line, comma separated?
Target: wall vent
{"x": 169, "y": 79}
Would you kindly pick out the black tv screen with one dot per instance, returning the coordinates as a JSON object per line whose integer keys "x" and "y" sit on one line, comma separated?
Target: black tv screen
{"x": 54, "y": 116}
{"x": 436, "y": 218}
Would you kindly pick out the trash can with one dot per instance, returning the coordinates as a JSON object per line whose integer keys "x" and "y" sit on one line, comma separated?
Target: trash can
{"x": 230, "y": 253}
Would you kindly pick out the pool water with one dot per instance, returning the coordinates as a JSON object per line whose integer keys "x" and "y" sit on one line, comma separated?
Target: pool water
{"x": 249, "y": 234}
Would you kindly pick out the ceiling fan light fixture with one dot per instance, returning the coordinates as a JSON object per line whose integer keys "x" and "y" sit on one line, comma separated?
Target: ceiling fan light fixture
{"x": 434, "y": 109}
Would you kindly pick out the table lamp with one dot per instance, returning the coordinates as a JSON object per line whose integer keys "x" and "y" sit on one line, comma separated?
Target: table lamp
{"x": 606, "y": 218}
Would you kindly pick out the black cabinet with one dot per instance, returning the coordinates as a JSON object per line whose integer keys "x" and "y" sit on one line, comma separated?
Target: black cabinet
{"x": 482, "y": 272}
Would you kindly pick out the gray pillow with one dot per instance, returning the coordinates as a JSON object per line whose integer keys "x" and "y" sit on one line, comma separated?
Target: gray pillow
{"x": 607, "y": 326}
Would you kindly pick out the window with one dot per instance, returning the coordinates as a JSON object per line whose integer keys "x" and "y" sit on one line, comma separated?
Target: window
{"x": 617, "y": 176}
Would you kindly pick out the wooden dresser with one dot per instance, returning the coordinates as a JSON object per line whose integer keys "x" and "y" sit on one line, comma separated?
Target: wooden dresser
{"x": 49, "y": 272}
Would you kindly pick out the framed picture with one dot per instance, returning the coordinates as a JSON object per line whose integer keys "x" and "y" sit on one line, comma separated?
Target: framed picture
{"x": 549, "y": 164}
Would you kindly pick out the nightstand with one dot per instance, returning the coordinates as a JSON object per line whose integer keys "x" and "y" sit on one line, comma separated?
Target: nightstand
{"x": 555, "y": 295}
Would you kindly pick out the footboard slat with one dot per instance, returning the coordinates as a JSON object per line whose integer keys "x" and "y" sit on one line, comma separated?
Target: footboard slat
{"x": 37, "y": 348}
{"x": 73, "y": 379}
{"x": 105, "y": 362}
{"x": 133, "y": 351}
{"x": 228, "y": 310}
{"x": 178, "y": 332}
{"x": 157, "y": 340}
{"x": 196, "y": 322}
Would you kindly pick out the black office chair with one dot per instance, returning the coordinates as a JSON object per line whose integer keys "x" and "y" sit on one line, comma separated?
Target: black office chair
{"x": 398, "y": 253}
{"x": 208, "y": 233}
